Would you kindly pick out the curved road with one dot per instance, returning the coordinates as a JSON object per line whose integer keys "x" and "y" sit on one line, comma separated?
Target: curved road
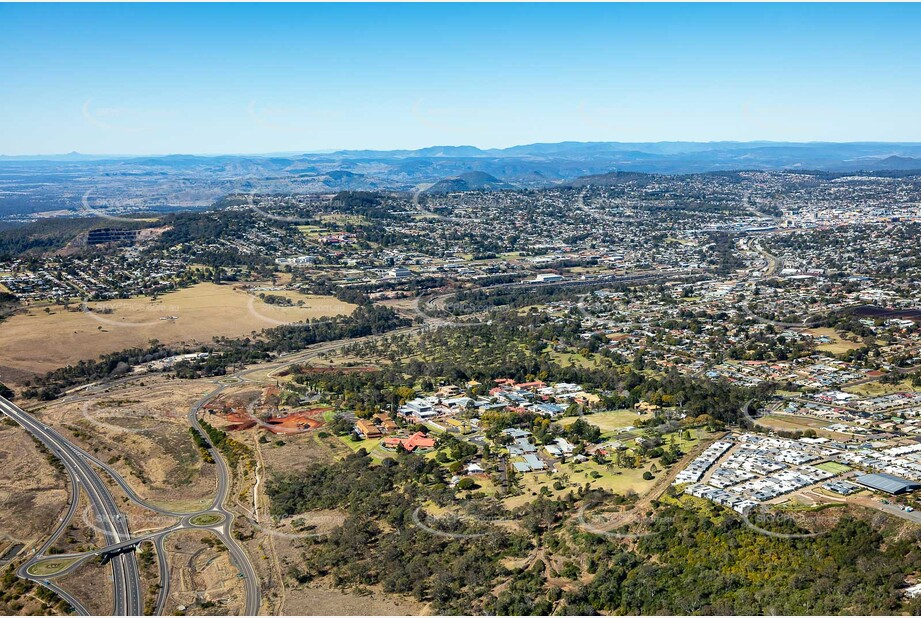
{"x": 112, "y": 523}
{"x": 79, "y": 464}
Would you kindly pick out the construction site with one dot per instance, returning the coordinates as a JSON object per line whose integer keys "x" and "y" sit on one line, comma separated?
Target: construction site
{"x": 270, "y": 408}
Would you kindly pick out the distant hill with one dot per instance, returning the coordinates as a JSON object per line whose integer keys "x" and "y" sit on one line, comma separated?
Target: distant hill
{"x": 56, "y": 185}
{"x": 894, "y": 163}
{"x": 469, "y": 181}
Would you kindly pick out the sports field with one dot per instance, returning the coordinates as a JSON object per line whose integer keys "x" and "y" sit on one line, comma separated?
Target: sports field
{"x": 833, "y": 467}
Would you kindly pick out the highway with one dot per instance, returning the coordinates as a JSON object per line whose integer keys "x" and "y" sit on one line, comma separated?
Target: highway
{"x": 79, "y": 465}
{"x": 112, "y": 523}
{"x": 437, "y": 302}
{"x": 82, "y": 465}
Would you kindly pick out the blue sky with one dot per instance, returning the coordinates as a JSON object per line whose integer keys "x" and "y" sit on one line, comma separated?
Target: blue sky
{"x": 256, "y": 78}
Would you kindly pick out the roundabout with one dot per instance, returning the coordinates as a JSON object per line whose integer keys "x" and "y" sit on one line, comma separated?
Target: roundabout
{"x": 206, "y": 520}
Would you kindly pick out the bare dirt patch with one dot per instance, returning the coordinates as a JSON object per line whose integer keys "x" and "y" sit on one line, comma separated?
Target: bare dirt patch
{"x": 203, "y": 581}
{"x": 195, "y": 314}
{"x": 318, "y": 601}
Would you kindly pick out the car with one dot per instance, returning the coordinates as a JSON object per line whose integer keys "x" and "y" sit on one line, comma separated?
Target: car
{"x": 909, "y": 509}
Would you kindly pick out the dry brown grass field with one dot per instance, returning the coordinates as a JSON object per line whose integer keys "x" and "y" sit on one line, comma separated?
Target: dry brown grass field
{"x": 838, "y": 345}
{"x": 33, "y": 495}
{"x": 142, "y": 431}
{"x": 38, "y": 341}
{"x": 318, "y": 601}
{"x": 91, "y": 584}
{"x": 789, "y": 422}
{"x": 276, "y": 546}
{"x": 81, "y": 533}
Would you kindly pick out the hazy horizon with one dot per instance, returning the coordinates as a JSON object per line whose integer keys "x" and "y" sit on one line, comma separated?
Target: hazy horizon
{"x": 116, "y": 155}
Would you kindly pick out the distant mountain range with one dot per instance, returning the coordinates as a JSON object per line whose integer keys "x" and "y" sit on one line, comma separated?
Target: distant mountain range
{"x": 59, "y": 182}
{"x": 557, "y": 161}
{"x": 682, "y": 156}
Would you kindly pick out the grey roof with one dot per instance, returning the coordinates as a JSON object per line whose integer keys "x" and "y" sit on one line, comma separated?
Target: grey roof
{"x": 534, "y": 462}
{"x": 887, "y": 482}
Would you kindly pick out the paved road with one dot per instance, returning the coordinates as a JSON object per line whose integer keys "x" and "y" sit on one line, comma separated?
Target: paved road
{"x": 163, "y": 593}
{"x": 123, "y": 485}
{"x": 111, "y": 522}
{"x": 79, "y": 463}
{"x": 774, "y": 263}
{"x": 438, "y": 301}
{"x": 225, "y": 530}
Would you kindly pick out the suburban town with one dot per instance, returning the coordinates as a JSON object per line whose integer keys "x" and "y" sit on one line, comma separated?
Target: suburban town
{"x": 757, "y": 351}
{"x": 429, "y": 309}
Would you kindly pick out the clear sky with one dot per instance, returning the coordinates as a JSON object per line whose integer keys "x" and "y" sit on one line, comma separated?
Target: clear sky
{"x": 257, "y": 78}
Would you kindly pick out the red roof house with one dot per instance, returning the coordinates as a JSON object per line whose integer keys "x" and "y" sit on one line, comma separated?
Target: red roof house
{"x": 416, "y": 441}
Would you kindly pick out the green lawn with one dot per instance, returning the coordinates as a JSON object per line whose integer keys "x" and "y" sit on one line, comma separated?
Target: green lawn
{"x": 311, "y": 231}
{"x": 610, "y": 421}
{"x": 368, "y": 445}
{"x": 833, "y": 467}
{"x": 51, "y": 566}
{"x": 206, "y": 519}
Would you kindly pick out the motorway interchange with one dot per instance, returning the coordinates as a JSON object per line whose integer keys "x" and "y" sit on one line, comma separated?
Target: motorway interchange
{"x": 83, "y": 470}
{"x": 86, "y": 476}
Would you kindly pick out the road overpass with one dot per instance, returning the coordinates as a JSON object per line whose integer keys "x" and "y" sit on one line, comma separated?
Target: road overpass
{"x": 112, "y": 523}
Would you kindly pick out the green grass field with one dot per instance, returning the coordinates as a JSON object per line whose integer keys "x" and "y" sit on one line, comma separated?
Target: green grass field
{"x": 617, "y": 480}
{"x": 610, "y": 421}
{"x": 206, "y": 519}
{"x": 311, "y": 231}
{"x": 51, "y": 566}
{"x": 833, "y": 467}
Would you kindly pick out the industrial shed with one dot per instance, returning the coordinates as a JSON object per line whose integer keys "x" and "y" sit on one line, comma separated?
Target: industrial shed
{"x": 887, "y": 483}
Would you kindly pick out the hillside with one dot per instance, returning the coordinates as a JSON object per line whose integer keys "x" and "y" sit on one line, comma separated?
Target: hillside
{"x": 469, "y": 181}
